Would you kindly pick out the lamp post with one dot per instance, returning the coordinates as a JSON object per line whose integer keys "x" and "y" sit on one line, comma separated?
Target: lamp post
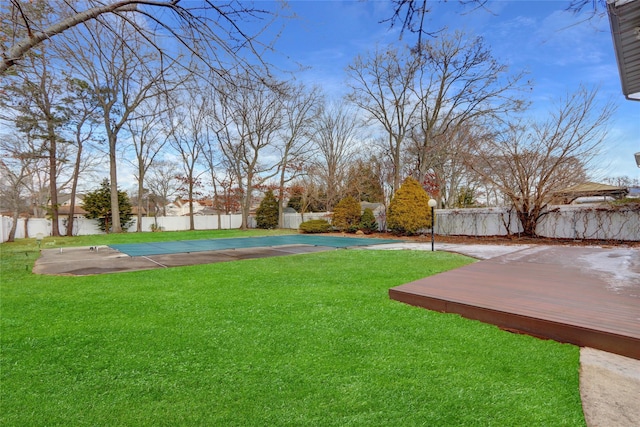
{"x": 432, "y": 205}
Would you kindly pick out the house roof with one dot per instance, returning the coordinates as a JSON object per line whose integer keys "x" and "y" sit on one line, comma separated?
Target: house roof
{"x": 589, "y": 189}
{"x": 624, "y": 17}
{"x": 372, "y": 206}
{"x": 77, "y": 210}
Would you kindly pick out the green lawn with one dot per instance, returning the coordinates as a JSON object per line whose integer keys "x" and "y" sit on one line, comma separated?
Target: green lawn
{"x": 304, "y": 340}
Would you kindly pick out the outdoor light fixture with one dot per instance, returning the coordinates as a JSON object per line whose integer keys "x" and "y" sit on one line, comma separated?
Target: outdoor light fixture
{"x": 638, "y": 159}
{"x": 432, "y": 205}
{"x": 39, "y": 238}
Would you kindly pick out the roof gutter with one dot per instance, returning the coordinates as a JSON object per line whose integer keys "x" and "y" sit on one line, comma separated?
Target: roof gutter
{"x": 624, "y": 17}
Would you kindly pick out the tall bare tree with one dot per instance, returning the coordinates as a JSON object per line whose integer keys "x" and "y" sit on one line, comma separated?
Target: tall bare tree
{"x": 83, "y": 116}
{"x": 296, "y": 137}
{"x": 148, "y": 137}
{"x": 383, "y": 85}
{"x": 211, "y": 31}
{"x": 336, "y": 138}
{"x": 34, "y": 94}
{"x": 123, "y": 74}
{"x": 16, "y": 162}
{"x": 529, "y": 161}
{"x": 162, "y": 182}
{"x": 448, "y": 171}
{"x": 248, "y": 115}
{"x": 189, "y": 134}
{"x": 411, "y": 15}
{"x": 212, "y": 159}
{"x": 459, "y": 83}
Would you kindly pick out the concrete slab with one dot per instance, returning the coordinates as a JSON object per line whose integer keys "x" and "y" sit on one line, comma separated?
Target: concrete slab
{"x": 88, "y": 260}
{"x": 474, "y": 251}
{"x": 609, "y": 388}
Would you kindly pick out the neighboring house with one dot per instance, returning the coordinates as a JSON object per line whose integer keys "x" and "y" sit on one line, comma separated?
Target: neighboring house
{"x": 78, "y": 211}
{"x": 588, "y": 192}
{"x": 65, "y": 200}
{"x": 181, "y": 207}
{"x": 64, "y": 207}
{"x": 377, "y": 208}
{"x": 134, "y": 211}
{"x": 207, "y": 207}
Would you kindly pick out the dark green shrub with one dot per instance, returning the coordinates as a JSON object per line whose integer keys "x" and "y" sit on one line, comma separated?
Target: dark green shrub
{"x": 267, "y": 212}
{"x": 98, "y": 206}
{"x": 409, "y": 210}
{"x": 346, "y": 215}
{"x": 368, "y": 223}
{"x": 315, "y": 226}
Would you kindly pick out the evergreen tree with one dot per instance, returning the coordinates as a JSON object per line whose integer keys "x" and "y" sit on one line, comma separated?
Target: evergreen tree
{"x": 363, "y": 183}
{"x": 346, "y": 215}
{"x": 267, "y": 212}
{"x": 368, "y": 222}
{"x": 465, "y": 198}
{"x": 98, "y": 206}
{"x": 409, "y": 209}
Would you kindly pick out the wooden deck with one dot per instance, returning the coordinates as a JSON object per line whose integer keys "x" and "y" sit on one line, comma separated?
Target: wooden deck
{"x": 551, "y": 293}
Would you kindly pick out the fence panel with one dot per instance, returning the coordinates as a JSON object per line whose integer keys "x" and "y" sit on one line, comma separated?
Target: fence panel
{"x": 568, "y": 222}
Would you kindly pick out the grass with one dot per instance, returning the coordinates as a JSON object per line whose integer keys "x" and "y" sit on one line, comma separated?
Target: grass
{"x": 305, "y": 340}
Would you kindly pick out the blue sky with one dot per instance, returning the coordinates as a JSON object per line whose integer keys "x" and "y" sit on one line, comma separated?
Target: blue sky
{"x": 560, "y": 50}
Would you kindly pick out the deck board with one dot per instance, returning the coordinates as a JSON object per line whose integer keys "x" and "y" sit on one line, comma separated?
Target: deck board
{"x": 549, "y": 295}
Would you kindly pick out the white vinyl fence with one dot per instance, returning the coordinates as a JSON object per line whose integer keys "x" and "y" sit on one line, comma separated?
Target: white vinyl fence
{"x": 81, "y": 226}
{"x": 568, "y": 222}
{"x": 600, "y": 222}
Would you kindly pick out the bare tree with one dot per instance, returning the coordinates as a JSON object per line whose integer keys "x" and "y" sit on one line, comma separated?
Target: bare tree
{"x": 148, "y": 138}
{"x": 410, "y": 15}
{"x": 247, "y": 117}
{"x": 15, "y": 168}
{"x": 81, "y": 109}
{"x": 447, "y": 168}
{"x": 622, "y": 181}
{"x": 529, "y": 162}
{"x": 459, "y": 83}
{"x": 34, "y": 95}
{"x": 188, "y": 135}
{"x": 382, "y": 84}
{"x": 336, "y": 138}
{"x": 300, "y": 111}
{"x": 162, "y": 182}
{"x": 211, "y": 31}
{"x": 122, "y": 74}
{"x": 213, "y": 161}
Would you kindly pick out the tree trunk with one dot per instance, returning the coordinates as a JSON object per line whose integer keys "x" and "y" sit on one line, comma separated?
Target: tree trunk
{"x": 53, "y": 185}
{"x": 192, "y": 225}
{"x": 246, "y": 208}
{"x": 14, "y": 226}
{"x": 74, "y": 189}
{"x": 281, "y": 201}
{"x": 140, "y": 192}
{"x": 528, "y": 220}
{"x": 113, "y": 178}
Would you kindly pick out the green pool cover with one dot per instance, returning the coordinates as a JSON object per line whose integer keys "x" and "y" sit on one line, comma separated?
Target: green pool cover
{"x": 182, "y": 246}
